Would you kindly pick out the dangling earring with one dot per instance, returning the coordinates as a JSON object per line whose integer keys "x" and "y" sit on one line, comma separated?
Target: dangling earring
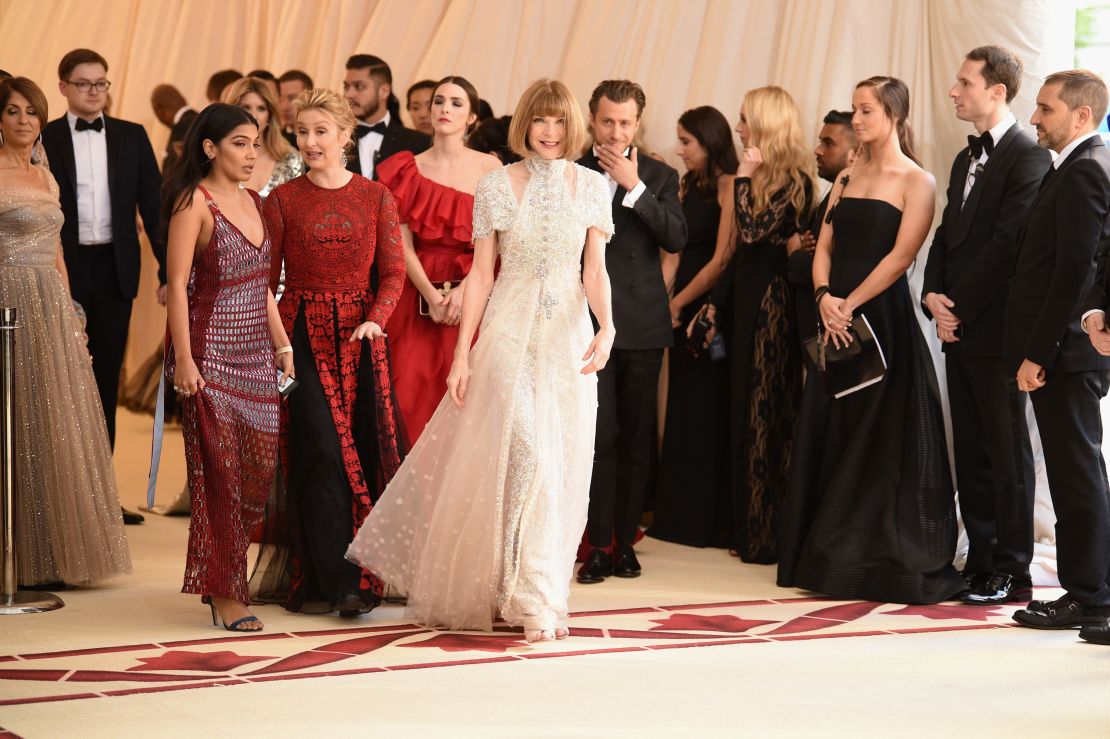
{"x": 343, "y": 159}
{"x": 1, "y": 138}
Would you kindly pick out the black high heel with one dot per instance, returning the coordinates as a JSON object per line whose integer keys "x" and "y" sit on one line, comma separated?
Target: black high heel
{"x": 236, "y": 625}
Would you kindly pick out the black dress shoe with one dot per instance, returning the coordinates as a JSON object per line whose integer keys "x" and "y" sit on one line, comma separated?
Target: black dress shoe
{"x": 1096, "y": 633}
{"x": 353, "y": 604}
{"x": 598, "y": 566}
{"x": 997, "y": 589}
{"x": 1063, "y": 613}
{"x": 131, "y": 518}
{"x": 626, "y": 565}
{"x": 975, "y": 580}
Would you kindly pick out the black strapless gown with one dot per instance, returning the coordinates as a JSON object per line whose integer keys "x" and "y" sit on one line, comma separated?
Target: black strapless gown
{"x": 870, "y": 511}
{"x": 693, "y": 504}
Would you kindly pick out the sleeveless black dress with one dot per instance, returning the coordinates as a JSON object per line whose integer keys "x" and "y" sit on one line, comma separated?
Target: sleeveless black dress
{"x": 870, "y": 510}
{"x": 692, "y": 504}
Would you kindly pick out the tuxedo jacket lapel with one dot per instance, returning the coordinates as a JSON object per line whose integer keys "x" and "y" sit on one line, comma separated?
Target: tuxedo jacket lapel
{"x": 114, "y": 149}
{"x": 967, "y": 212}
{"x": 69, "y": 160}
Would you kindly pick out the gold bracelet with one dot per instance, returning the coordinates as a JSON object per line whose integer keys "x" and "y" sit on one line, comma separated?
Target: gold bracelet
{"x": 287, "y": 349}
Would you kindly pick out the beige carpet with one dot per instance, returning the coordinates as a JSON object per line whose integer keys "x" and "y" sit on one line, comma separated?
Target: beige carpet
{"x": 699, "y": 646}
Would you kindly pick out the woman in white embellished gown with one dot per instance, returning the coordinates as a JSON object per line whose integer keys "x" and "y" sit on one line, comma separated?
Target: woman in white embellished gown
{"x": 485, "y": 515}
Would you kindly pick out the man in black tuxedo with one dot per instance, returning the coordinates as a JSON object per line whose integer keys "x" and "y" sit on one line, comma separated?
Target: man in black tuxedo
{"x": 1053, "y": 286}
{"x": 647, "y": 216}
{"x": 106, "y": 170}
{"x": 171, "y": 109}
{"x": 368, "y": 87}
{"x": 836, "y": 145}
{"x": 993, "y": 181}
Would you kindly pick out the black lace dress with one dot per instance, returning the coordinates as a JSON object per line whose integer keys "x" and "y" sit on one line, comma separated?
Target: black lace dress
{"x": 870, "y": 512}
{"x": 692, "y": 504}
{"x": 766, "y": 383}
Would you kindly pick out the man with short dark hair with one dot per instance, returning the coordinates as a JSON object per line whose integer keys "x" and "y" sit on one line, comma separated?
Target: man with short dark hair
{"x": 836, "y": 144}
{"x": 290, "y": 85}
{"x": 418, "y": 102}
{"x": 993, "y": 181}
{"x": 1054, "y": 298}
{"x": 171, "y": 109}
{"x": 368, "y": 87}
{"x": 266, "y": 76}
{"x": 218, "y": 82}
{"x": 648, "y": 217}
{"x": 106, "y": 171}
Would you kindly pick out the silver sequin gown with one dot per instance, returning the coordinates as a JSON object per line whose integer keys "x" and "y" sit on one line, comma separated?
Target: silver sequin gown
{"x": 485, "y": 514}
{"x": 68, "y": 523}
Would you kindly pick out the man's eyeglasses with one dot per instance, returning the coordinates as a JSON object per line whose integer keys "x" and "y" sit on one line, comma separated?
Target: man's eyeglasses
{"x": 85, "y": 85}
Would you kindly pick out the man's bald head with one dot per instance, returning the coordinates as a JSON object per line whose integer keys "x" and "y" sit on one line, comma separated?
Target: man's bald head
{"x": 166, "y": 100}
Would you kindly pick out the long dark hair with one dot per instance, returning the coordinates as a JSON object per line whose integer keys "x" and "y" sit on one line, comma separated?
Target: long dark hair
{"x": 710, "y": 127}
{"x": 894, "y": 96}
{"x": 215, "y": 123}
{"x": 471, "y": 95}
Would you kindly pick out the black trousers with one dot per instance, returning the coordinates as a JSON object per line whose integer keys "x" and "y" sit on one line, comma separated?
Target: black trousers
{"x": 1068, "y": 415}
{"x": 994, "y": 465}
{"x": 625, "y": 444}
{"x": 94, "y": 284}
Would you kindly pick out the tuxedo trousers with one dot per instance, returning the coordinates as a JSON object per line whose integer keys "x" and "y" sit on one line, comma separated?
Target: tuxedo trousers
{"x": 1070, "y": 421}
{"x": 625, "y": 444}
{"x": 94, "y": 284}
{"x": 995, "y": 478}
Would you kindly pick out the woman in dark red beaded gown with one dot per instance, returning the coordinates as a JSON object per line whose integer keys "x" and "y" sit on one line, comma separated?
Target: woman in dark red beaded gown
{"x": 341, "y": 440}
{"x": 435, "y": 200}
{"x": 226, "y": 339}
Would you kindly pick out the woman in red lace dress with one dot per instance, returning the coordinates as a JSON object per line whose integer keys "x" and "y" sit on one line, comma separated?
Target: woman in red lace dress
{"x": 340, "y": 441}
{"x": 435, "y": 201}
{"x": 225, "y": 339}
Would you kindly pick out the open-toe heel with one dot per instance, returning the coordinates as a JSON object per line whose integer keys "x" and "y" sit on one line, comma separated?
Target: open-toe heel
{"x": 239, "y": 625}
{"x": 538, "y": 628}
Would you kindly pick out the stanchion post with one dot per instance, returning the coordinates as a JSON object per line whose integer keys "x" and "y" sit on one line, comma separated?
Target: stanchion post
{"x": 11, "y": 599}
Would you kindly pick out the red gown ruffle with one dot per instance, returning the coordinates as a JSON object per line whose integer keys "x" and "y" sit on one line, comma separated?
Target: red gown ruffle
{"x": 440, "y": 219}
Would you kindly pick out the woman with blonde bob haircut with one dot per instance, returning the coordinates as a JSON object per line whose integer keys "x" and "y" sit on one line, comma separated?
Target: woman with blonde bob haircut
{"x": 277, "y": 161}
{"x": 484, "y": 517}
{"x": 771, "y": 198}
{"x": 341, "y": 430}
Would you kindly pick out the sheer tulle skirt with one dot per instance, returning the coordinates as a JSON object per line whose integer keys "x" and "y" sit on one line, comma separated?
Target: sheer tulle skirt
{"x": 68, "y": 523}
{"x": 485, "y": 515}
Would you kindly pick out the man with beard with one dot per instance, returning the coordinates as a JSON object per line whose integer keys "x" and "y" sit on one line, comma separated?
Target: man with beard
{"x": 368, "y": 87}
{"x": 836, "y": 145}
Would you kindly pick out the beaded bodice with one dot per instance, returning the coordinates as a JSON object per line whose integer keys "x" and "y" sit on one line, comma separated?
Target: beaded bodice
{"x": 30, "y": 221}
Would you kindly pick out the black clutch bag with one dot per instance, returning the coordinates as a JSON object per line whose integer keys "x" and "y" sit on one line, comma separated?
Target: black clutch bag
{"x": 850, "y": 368}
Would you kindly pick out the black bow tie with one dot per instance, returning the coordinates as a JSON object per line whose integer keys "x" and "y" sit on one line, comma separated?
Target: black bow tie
{"x": 83, "y": 125}
{"x": 980, "y": 144}
{"x": 364, "y": 128}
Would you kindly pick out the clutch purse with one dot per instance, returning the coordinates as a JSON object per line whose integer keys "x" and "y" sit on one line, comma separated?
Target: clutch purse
{"x": 446, "y": 288}
{"x": 850, "y": 368}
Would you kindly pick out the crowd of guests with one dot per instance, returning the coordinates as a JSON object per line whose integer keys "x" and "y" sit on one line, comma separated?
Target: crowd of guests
{"x": 308, "y": 236}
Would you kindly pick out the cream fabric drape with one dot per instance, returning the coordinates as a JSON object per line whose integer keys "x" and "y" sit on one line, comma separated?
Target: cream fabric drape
{"x": 684, "y": 52}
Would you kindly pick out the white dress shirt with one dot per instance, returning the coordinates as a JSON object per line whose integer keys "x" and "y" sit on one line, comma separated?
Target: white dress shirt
{"x": 368, "y": 147}
{"x": 94, "y": 202}
{"x": 975, "y": 168}
{"x": 630, "y": 197}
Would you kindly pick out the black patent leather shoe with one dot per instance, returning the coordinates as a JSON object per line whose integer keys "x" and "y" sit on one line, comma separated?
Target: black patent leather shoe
{"x": 598, "y": 566}
{"x": 353, "y": 604}
{"x": 1063, "y": 613}
{"x": 626, "y": 565}
{"x": 997, "y": 589}
{"x": 130, "y": 518}
{"x": 975, "y": 580}
{"x": 1096, "y": 633}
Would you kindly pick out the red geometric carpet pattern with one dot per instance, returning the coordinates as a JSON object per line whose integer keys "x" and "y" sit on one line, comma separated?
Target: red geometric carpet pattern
{"x": 229, "y": 660}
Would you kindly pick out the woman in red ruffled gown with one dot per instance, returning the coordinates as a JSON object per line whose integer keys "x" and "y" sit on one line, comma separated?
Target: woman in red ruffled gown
{"x": 341, "y": 441}
{"x": 435, "y": 201}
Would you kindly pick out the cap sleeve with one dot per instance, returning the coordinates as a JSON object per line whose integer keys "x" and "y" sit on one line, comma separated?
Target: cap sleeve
{"x": 598, "y": 206}
{"x": 491, "y": 212}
